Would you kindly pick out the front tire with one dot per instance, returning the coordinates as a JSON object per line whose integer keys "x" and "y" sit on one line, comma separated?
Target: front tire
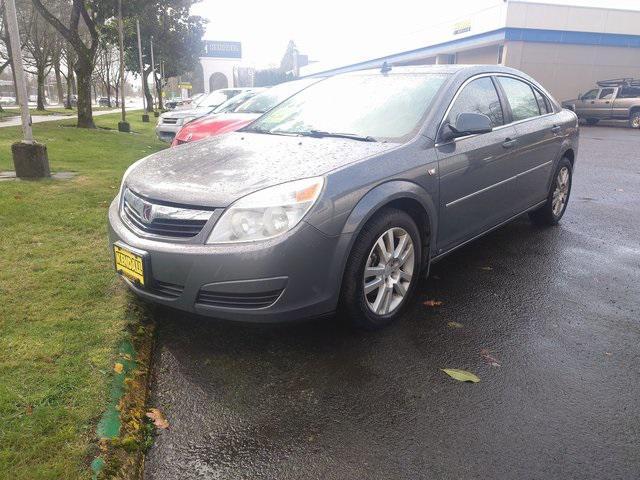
{"x": 634, "y": 120}
{"x": 558, "y": 199}
{"x": 382, "y": 270}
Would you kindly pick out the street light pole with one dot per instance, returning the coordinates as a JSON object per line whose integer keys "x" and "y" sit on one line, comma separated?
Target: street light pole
{"x": 145, "y": 117}
{"x": 18, "y": 70}
{"x": 29, "y": 158}
{"x": 123, "y": 125}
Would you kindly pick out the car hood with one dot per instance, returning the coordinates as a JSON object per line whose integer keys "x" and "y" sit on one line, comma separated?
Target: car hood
{"x": 219, "y": 170}
{"x": 215, "y": 124}
{"x": 191, "y": 112}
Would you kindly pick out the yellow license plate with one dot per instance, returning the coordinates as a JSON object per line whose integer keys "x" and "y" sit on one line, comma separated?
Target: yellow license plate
{"x": 129, "y": 264}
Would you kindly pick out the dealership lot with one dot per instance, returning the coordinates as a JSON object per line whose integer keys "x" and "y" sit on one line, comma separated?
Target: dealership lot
{"x": 547, "y": 318}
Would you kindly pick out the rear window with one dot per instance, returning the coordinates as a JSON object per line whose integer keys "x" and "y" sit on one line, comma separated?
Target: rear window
{"x": 543, "y": 103}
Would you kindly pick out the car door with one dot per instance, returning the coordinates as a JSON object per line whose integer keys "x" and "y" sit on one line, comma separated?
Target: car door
{"x": 601, "y": 106}
{"x": 475, "y": 171}
{"x": 539, "y": 139}
{"x": 584, "y": 104}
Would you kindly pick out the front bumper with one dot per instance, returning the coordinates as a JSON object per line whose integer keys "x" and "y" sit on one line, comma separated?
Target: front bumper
{"x": 166, "y": 132}
{"x": 291, "y": 277}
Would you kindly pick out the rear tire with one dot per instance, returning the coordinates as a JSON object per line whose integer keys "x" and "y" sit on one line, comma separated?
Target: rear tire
{"x": 558, "y": 199}
{"x": 376, "y": 298}
{"x": 634, "y": 120}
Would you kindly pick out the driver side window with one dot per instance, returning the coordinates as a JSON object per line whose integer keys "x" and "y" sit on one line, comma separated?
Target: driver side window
{"x": 479, "y": 96}
{"x": 590, "y": 95}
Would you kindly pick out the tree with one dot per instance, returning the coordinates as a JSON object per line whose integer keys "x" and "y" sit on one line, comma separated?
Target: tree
{"x": 177, "y": 41}
{"x": 84, "y": 38}
{"x": 39, "y": 42}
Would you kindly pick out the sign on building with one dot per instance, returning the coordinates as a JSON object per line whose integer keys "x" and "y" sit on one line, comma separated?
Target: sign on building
{"x": 462, "y": 27}
{"x": 214, "y": 48}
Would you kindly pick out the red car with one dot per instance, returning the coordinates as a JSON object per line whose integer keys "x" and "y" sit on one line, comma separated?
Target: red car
{"x": 244, "y": 114}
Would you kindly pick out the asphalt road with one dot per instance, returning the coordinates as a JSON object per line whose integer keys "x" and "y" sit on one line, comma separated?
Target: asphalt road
{"x": 558, "y": 309}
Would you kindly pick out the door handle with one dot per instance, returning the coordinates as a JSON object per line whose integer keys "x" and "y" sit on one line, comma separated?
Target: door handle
{"x": 509, "y": 142}
{"x": 593, "y": 101}
{"x": 556, "y": 129}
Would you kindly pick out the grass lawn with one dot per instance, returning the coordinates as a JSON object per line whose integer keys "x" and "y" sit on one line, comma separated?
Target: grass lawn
{"x": 62, "y": 310}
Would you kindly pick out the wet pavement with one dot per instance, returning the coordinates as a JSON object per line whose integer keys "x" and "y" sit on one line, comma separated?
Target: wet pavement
{"x": 558, "y": 309}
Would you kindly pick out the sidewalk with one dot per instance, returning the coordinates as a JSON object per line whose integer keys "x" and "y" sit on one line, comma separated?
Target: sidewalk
{"x": 15, "y": 121}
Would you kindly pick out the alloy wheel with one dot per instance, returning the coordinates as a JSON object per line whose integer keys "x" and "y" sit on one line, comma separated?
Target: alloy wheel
{"x": 389, "y": 271}
{"x": 561, "y": 193}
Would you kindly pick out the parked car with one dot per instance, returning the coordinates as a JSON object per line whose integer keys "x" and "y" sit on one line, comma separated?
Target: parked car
{"x": 170, "y": 122}
{"x": 73, "y": 100}
{"x": 104, "y": 101}
{"x": 173, "y": 103}
{"x": 244, "y": 113}
{"x": 7, "y": 100}
{"x": 342, "y": 196}
{"x": 617, "y": 99}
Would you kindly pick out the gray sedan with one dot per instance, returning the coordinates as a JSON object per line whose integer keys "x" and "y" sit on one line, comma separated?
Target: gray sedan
{"x": 343, "y": 195}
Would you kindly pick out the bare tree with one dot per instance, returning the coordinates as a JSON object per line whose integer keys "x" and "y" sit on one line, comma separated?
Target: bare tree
{"x": 40, "y": 39}
{"x": 84, "y": 45}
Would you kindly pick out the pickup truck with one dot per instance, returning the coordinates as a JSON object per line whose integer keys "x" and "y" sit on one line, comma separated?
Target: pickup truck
{"x": 612, "y": 100}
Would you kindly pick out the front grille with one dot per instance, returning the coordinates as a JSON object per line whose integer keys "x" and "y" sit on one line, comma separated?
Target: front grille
{"x": 169, "y": 121}
{"x": 169, "y": 290}
{"x": 238, "y": 300}
{"x": 163, "y": 220}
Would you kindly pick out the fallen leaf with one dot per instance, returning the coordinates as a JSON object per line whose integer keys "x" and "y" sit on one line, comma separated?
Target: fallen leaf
{"x": 29, "y": 409}
{"x": 118, "y": 367}
{"x": 461, "y": 375}
{"x": 454, "y": 325}
{"x": 486, "y": 355}
{"x": 432, "y": 303}
{"x": 608, "y": 354}
{"x": 486, "y": 268}
{"x": 619, "y": 190}
{"x": 158, "y": 418}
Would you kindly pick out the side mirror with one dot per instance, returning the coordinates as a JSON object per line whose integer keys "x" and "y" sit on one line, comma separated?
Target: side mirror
{"x": 469, "y": 124}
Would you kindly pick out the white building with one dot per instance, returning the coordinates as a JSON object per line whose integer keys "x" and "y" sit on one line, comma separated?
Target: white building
{"x": 566, "y": 48}
{"x": 220, "y": 63}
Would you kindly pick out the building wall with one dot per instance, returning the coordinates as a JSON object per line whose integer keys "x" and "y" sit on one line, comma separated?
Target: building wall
{"x": 566, "y": 70}
{"x": 572, "y": 18}
{"x": 479, "y": 56}
{"x": 212, "y": 65}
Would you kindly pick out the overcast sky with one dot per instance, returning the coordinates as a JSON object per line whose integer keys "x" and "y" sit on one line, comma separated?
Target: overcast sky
{"x": 332, "y": 30}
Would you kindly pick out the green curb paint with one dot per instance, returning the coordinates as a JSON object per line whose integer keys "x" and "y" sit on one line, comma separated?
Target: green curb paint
{"x": 109, "y": 424}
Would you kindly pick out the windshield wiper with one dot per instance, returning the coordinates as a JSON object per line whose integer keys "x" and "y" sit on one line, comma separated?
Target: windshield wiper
{"x": 322, "y": 134}
{"x": 267, "y": 132}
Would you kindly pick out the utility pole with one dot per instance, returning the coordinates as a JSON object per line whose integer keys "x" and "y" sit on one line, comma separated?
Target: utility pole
{"x": 123, "y": 125}
{"x": 153, "y": 77}
{"x": 29, "y": 158}
{"x": 145, "y": 116}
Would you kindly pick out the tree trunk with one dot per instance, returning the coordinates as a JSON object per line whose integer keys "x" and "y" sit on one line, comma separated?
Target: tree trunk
{"x": 60, "y": 90}
{"x": 117, "y": 90}
{"x": 70, "y": 82}
{"x": 158, "y": 82}
{"x": 40, "y": 77}
{"x": 147, "y": 93}
{"x": 83, "y": 74}
{"x": 107, "y": 66}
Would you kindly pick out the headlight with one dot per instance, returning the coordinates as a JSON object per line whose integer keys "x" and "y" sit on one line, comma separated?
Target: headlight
{"x": 267, "y": 213}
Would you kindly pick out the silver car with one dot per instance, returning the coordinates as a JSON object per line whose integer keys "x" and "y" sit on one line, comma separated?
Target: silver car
{"x": 169, "y": 123}
{"x": 344, "y": 194}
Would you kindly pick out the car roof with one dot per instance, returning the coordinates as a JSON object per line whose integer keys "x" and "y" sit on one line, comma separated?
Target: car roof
{"x": 445, "y": 69}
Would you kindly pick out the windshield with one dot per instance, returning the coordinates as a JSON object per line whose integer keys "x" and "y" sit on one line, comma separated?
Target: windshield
{"x": 234, "y": 102}
{"x": 213, "y": 99}
{"x": 372, "y": 106}
{"x": 267, "y": 100}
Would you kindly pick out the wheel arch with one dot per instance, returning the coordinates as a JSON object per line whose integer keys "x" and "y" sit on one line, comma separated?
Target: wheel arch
{"x": 403, "y": 195}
